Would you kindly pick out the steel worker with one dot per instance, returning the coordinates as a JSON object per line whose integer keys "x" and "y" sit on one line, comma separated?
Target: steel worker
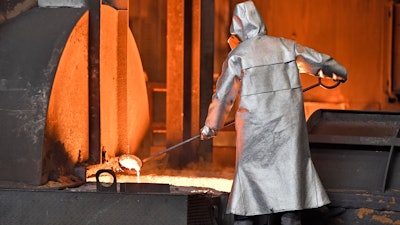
{"x": 274, "y": 172}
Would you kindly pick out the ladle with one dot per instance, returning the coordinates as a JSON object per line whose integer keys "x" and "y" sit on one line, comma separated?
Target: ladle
{"x": 128, "y": 161}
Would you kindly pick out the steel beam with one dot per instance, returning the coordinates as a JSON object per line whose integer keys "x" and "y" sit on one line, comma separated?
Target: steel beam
{"x": 94, "y": 82}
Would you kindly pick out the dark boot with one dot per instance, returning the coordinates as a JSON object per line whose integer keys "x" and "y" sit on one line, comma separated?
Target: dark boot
{"x": 262, "y": 220}
{"x": 291, "y": 218}
{"x": 242, "y": 220}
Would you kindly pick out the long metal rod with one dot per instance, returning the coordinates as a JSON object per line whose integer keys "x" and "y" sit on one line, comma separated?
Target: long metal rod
{"x": 179, "y": 144}
{"x": 170, "y": 148}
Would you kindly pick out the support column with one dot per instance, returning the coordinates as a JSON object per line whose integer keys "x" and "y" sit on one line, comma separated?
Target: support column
{"x": 175, "y": 77}
{"x": 94, "y": 82}
{"x": 396, "y": 48}
{"x": 195, "y": 70}
{"x": 120, "y": 117}
{"x": 206, "y": 70}
{"x": 122, "y": 86}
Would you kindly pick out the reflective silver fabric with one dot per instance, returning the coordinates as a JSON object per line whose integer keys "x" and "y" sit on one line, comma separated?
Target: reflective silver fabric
{"x": 274, "y": 171}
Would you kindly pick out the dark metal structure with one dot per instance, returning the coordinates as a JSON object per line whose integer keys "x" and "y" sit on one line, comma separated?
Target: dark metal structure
{"x": 30, "y": 49}
{"x": 356, "y": 150}
{"x": 94, "y": 82}
{"x": 356, "y": 154}
{"x": 91, "y": 207}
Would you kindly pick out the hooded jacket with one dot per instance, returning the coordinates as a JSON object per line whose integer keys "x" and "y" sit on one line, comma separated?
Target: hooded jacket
{"x": 274, "y": 171}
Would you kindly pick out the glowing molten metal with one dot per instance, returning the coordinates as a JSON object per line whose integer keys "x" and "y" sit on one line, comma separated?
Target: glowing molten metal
{"x": 131, "y": 162}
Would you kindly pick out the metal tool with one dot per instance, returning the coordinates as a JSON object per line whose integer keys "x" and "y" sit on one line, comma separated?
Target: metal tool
{"x": 337, "y": 83}
{"x": 128, "y": 161}
{"x": 180, "y": 144}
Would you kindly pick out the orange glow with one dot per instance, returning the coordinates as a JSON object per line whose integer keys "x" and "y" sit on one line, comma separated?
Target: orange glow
{"x": 124, "y": 102}
{"x": 195, "y": 175}
{"x": 108, "y": 80}
{"x": 123, "y": 94}
{"x": 67, "y": 118}
{"x": 216, "y": 183}
{"x": 138, "y": 105}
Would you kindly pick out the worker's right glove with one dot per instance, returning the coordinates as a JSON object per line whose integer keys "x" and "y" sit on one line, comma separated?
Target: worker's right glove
{"x": 207, "y": 133}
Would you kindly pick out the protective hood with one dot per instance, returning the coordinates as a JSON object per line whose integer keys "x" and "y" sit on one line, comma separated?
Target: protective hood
{"x": 247, "y": 22}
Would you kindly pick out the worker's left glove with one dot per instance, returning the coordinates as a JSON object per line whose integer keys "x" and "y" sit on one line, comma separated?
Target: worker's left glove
{"x": 207, "y": 133}
{"x": 338, "y": 78}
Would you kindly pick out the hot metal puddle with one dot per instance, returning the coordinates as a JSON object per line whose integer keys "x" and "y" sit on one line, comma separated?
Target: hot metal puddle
{"x": 202, "y": 177}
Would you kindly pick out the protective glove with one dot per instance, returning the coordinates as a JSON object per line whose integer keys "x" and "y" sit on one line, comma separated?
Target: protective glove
{"x": 341, "y": 79}
{"x": 207, "y": 133}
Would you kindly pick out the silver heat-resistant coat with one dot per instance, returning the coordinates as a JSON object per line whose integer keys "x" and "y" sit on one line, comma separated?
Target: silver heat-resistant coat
{"x": 274, "y": 171}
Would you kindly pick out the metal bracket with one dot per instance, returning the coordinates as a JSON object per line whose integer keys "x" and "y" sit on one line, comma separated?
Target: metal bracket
{"x": 102, "y": 188}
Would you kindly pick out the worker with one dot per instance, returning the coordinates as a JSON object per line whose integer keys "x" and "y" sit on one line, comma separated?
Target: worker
{"x": 274, "y": 172}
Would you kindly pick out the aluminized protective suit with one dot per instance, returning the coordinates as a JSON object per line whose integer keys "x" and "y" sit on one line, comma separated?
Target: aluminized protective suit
{"x": 274, "y": 171}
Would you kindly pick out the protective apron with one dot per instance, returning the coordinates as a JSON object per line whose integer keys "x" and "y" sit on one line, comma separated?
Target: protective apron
{"x": 274, "y": 171}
